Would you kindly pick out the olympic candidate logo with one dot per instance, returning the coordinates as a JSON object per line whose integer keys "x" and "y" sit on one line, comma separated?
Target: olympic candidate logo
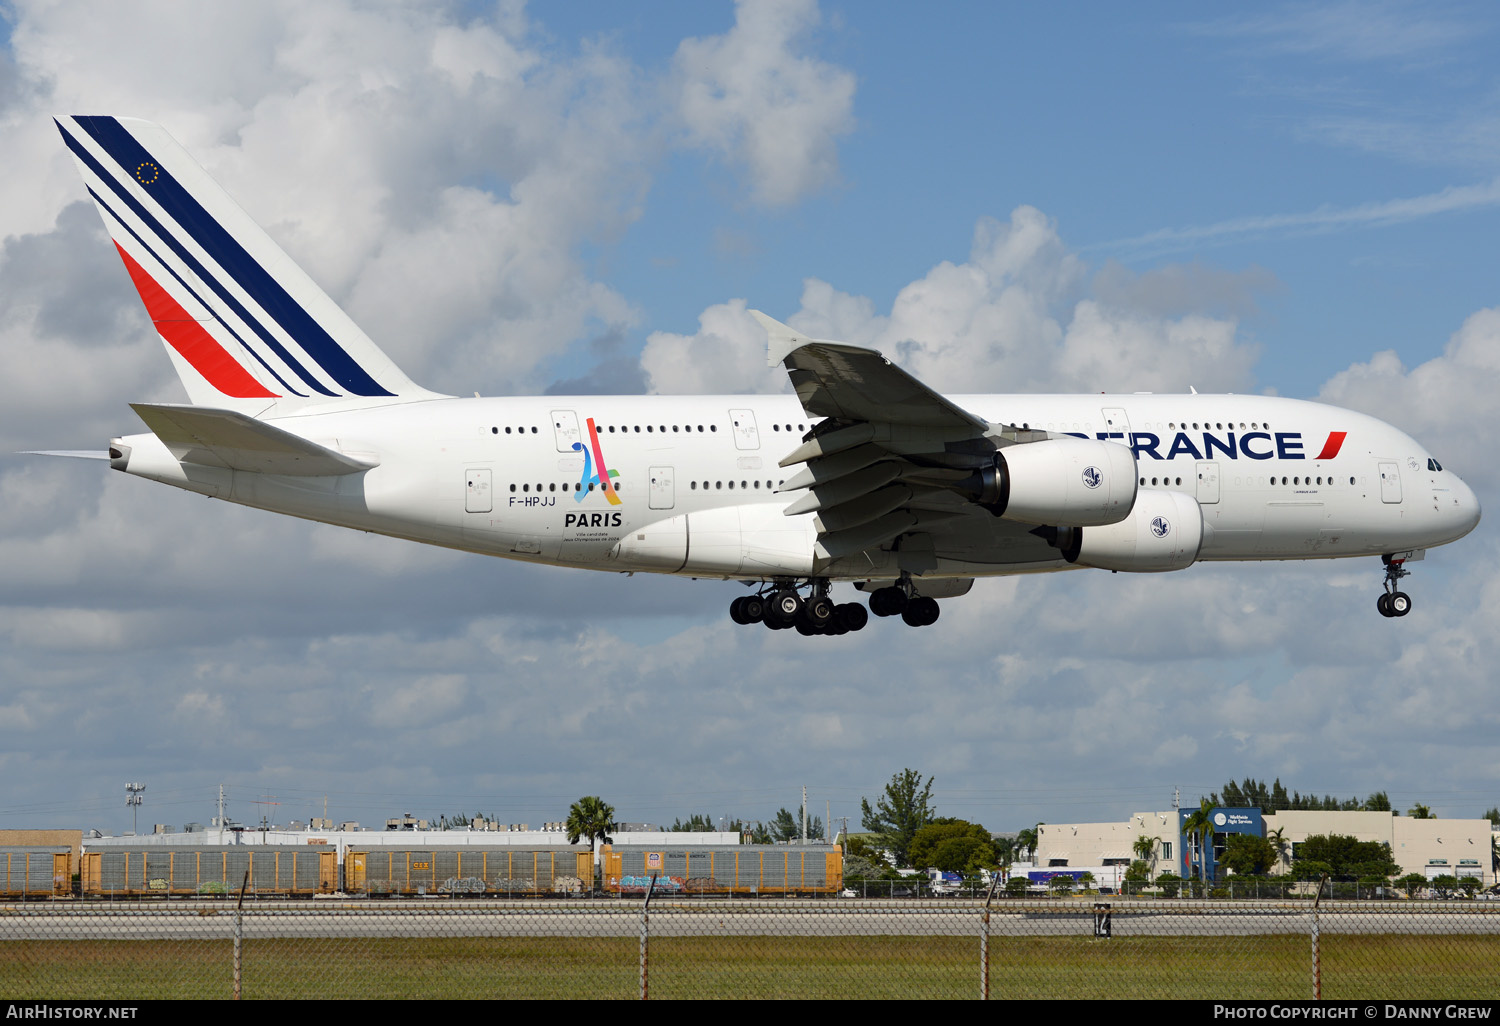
{"x": 1092, "y": 477}
{"x": 595, "y": 473}
{"x": 1160, "y": 527}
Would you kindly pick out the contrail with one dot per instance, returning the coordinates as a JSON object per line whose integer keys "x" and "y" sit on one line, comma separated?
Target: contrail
{"x": 1166, "y": 240}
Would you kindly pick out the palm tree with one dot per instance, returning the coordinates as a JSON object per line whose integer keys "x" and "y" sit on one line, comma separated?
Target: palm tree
{"x": 1278, "y": 841}
{"x": 1027, "y": 839}
{"x": 1145, "y": 850}
{"x": 1420, "y": 812}
{"x": 590, "y": 817}
{"x": 1200, "y": 827}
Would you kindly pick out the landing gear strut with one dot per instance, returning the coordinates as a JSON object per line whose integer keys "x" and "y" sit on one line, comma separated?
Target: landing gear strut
{"x": 1393, "y": 602}
{"x": 780, "y": 607}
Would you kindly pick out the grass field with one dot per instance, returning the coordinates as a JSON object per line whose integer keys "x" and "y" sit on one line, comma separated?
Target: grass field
{"x": 1354, "y": 967}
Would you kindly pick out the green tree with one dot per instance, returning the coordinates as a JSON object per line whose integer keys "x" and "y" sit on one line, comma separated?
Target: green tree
{"x": 1248, "y": 855}
{"x": 1469, "y": 884}
{"x": 1493, "y": 815}
{"x": 1445, "y": 885}
{"x": 905, "y": 808}
{"x": 1136, "y": 877}
{"x": 590, "y": 817}
{"x": 1345, "y": 857}
{"x": 1411, "y": 883}
{"x": 1419, "y": 811}
{"x": 1017, "y": 886}
{"x": 1170, "y": 884}
{"x": 952, "y": 845}
{"x": 1061, "y": 885}
{"x": 787, "y": 826}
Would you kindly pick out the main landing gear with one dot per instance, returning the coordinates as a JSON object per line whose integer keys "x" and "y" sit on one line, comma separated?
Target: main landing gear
{"x": 1393, "y": 602}
{"x": 903, "y": 601}
{"x": 781, "y": 608}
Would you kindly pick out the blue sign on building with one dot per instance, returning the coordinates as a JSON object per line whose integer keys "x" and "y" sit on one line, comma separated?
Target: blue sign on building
{"x": 1225, "y": 821}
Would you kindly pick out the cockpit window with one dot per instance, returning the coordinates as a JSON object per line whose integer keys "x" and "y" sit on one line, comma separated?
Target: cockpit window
{"x": 1433, "y": 464}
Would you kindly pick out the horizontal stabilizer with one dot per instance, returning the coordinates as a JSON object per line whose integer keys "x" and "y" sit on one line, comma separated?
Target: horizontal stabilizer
{"x": 223, "y": 438}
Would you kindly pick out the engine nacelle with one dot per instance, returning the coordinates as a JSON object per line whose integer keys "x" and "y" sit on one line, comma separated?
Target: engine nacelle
{"x": 1163, "y": 532}
{"x": 1068, "y": 482}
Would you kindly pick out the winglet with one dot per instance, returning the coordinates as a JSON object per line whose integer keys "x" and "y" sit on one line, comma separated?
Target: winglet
{"x": 781, "y": 339}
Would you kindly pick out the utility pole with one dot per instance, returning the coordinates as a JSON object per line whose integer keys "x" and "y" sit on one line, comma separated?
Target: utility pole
{"x": 133, "y": 799}
{"x": 804, "y": 815}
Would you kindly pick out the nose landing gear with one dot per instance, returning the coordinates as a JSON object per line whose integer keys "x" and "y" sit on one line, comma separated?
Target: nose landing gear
{"x": 1393, "y": 602}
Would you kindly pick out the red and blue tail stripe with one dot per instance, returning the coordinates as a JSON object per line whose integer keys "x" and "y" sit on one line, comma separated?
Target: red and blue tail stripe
{"x": 246, "y": 320}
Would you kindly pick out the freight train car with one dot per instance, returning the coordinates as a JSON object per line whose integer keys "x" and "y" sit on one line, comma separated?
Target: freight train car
{"x": 210, "y": 870}
{"x": 496, "y": 871}
{"x": 30, "y": 871}
{"x": 748, "y": 869}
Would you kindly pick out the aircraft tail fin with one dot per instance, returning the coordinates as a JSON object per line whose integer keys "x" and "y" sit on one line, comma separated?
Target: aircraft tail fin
{"x": 245, "y": 327}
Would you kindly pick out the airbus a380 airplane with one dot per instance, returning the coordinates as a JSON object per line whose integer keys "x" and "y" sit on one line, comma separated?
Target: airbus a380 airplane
{"x": 864, "y": 475}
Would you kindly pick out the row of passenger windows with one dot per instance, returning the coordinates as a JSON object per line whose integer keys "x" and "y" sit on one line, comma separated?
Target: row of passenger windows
{"x": 1171, "y": 425}
{"x": 1295, "y": 481}
{"x": 567, "y": 486}
{"x": 1307, "y": 480}
{"x": 693, "y": 485}
{"x": 649, "y": 429}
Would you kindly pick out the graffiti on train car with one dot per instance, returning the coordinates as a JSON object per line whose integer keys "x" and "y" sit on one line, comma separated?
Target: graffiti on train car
{"x": 462, "y": 885}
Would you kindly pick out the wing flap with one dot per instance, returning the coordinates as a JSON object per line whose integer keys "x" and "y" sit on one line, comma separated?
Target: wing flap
{"x": 234, "y": 441}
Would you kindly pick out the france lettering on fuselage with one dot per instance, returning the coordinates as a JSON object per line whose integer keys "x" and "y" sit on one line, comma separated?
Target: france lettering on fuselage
{"x": 1255, "y": 445}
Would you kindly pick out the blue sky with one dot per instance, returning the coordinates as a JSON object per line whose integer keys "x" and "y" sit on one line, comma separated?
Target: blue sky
{"x": 582, "y": 196}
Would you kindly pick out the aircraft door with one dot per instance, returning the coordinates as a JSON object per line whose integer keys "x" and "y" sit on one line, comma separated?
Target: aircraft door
{"x": 565, "y": 429}
{"x": 1117, "y": 424}
{"x": 477, "y": 494}
{"x": 662, "y": 494}
{"x": 745, "y": 434}
{"x": 1208, "y": 482}
{"x": 1390, "y": 482}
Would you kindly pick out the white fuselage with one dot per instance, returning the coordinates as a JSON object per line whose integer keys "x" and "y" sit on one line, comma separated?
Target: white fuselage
{"x": 697, "y": 480}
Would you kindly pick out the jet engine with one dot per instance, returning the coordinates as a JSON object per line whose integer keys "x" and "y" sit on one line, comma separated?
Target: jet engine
{"x": 1072, "y": 482}
{"x": 1164, "y": 531}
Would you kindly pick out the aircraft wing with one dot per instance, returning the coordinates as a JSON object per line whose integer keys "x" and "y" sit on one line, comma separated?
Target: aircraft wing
{"x": 889, "y": 452}
{"x": 224, "y": 438}
{"x": 852, "y": 383}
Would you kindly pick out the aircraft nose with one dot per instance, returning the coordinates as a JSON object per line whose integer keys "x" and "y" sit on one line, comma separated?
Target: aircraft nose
{"x": 1465, "y": 511}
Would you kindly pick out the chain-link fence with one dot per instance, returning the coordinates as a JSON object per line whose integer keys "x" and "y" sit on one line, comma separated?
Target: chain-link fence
{"x": 749, "y": 949}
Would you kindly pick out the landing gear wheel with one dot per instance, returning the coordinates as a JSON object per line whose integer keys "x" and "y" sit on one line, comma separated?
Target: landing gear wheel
{"x": 852, "y": 616}
{"x": 784, "y": 606}
{"x": 753, "y": 608}
{"x": 1383, "y": 603}
{"x": 1399, "y": 603}
{"x": 818, "y": 611}
{"x": 736, "y": 611}
{"x": 888, "y": 601}
{"x": 921, "y": 611}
